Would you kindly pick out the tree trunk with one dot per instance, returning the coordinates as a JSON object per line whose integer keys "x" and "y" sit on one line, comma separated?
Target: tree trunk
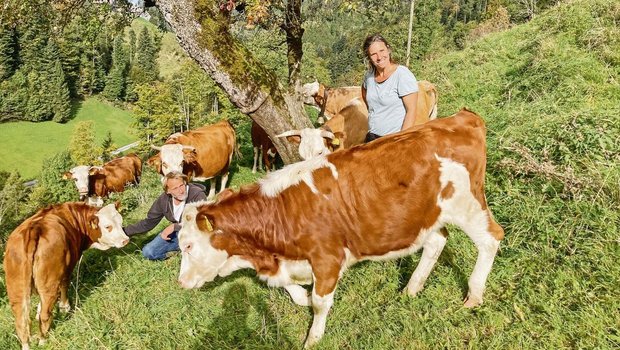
{"x": 202, "y": 30}
{"x": 294, "y": 32}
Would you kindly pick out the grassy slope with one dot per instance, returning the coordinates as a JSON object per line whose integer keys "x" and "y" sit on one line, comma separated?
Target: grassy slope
{"x": 25, "y": 145}
{"x": 551, "y": 107}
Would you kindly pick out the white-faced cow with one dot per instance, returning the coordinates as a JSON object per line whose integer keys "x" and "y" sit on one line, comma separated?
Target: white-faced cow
{"x": 98, "y": 181}
{"x": 43, "y": 251}
{"x": 310, "y": 221}
{"x": 201, "y": 154}
{"x": 264, "y": 150}
{"x": 349, "y": 124}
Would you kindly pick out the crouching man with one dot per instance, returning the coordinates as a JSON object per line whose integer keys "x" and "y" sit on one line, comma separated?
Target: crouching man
{"x": 170, "y": 204}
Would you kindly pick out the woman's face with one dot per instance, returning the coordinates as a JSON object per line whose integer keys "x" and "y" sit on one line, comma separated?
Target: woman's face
{"x": 379, "y": 55}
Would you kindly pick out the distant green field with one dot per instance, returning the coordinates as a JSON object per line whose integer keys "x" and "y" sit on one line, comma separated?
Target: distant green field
{"x": 25, "y": 145}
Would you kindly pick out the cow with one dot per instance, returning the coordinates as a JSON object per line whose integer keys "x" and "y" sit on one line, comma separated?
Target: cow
{"x": 201, "y": 154}
{"x": 346, "y": 129}
{"x": 330, "y": 101}
{"x": 309, "y": 221}
{"x": 264, "y": 149}
{"x": 349, "y": 125}
{"x": 42, "y": 252}
{"x": 100, "y": 181}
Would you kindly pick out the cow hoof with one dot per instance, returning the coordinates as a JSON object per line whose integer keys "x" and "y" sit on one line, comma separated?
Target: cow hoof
{"x": 310, "y": 341}
{"x": 471, "y": 302}
{"x": 64, "y": 308}
{"x": 42, "y": 341}
{"x": 25, "y": 346}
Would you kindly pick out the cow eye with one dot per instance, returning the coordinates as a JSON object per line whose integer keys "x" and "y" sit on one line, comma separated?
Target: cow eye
{"x": 109, "y": 228}
{"x": 187, "y": 247}
{"x": 74, "y": 179}
{"x": 164, "y": 165}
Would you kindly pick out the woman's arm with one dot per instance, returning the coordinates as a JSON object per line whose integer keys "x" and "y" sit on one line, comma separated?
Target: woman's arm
{"x": 411, "y": 102}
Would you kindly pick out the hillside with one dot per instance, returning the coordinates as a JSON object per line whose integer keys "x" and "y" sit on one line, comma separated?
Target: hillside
{"x": 25, "y": 145}
{"x": 549, "y": 92}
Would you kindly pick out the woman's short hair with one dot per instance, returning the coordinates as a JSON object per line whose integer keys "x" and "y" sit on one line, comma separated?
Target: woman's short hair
{"x": 371, "y": 39}
{"x": 173, "y": 175}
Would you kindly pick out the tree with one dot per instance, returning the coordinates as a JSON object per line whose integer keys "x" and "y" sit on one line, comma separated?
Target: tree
{"x": 116, "y": 80}
{"x": 8, "y": 52}
{"x": 203, "y": 30}
{"x": 51, "y": 188}
{"x": 12, "y": 196}
{"x": 145, "y": 69}
{"x": 82, "y": 148}
{"x": 107, "y": 146}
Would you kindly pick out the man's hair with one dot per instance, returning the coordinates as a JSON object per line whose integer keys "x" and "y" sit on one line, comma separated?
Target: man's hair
{"x": 174, "y": 175}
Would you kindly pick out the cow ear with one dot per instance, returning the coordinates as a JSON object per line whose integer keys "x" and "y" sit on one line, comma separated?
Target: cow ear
{"x": 67, "y": 176}
{"x": 117, "y": 205}
{"x": 92, "y": 171}
{"x": 205, "y": 223}
{"x": 224, "y": 194}
{"x": 94, "y": 222}
{"x": 338, "y": 140}
{"x": 294, "y": 139}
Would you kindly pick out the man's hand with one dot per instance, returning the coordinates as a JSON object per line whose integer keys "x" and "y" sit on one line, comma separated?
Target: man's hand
{"x": 166, "y": 232}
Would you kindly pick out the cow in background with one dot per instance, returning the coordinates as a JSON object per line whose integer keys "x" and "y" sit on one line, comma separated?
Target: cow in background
{"x": 309, "y": 221}
{"x": 264, "y": 150}
{"x": 349, "y": 125}
{"x": 96, "y": 182}
{"x": 43, "y": 251}
{"x": 201, "y": 154}
{"x": 329, "y": 101}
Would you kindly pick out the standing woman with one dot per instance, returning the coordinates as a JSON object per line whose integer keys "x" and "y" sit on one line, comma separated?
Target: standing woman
{"x": 389, "y": 90}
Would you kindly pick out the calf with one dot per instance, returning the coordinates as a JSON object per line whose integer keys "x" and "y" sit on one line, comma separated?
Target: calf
{"x": 43, "y": 251}
{"x": 310, "y": 221}
{"x": 263, "y": 147}
{"x": 100, "y": 181}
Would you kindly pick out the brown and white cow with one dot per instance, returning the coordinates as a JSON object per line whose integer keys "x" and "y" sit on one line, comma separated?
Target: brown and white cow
{"x": 264, "y": 149}
{"x": 99, "y": 181}
{"x": 310, "y": 221}
{"x": 43, "y": 251}
{"x": 201, "y": 154}
{"x": 349, "y": 124}
{"x": 329, "y": 101}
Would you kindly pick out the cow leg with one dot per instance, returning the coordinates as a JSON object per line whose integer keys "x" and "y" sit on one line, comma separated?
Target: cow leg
{"x": 211, "y": 188}
{"x": 19, "y": 298}
{"x": 48, "y": 300}
{"x": 484, "y": 236}
{"x": 224, "y": 181}
{"x": 326, "y": 275}
{"x": 255, "y": 159}
{"x": 298, "y": 294}
{"x": 63, "y": 304}
{"x": 432, "y": 249}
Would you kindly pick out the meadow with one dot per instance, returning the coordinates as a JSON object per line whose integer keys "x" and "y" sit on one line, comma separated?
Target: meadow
{"x": 548, "y": 91}
{"x": 24, "y": 145}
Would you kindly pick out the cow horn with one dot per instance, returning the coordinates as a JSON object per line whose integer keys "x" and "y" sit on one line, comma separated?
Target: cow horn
{"x": 156, "y": 148}
{"x": 327, "y": 134}
{"x": 290, "y": 133}
{"x": 191, "y": 148}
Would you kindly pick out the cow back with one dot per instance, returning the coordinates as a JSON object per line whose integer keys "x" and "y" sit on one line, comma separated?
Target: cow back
{"x": 214, "y": 146}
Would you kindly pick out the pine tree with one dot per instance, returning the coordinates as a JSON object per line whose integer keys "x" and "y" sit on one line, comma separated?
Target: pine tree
{"x": 116, "y": 79}
{"x": 12, "y": 196}
{"x": 82, "y": 146}
{"x": 61, "y": 99}
{"x": 8, "y": 53}
{"x": 145, "y": 69}
{"x": 132, "y": 45}
{"x": 107, "y": 146}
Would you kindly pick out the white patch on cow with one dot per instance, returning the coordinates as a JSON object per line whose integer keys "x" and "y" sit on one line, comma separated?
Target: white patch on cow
{"x": 95, "y": 201}
{"x": 111, "y": 227}
{"x": 171, "y": 158}
{"x": 433, "y": 247}
{"x": 354, "y": 102}
{"x": 233, "y": 264}
{"x": 464, "y": 210}
{"x": 298, "y": 294}
{"x": 80, "y": 175}
{"x": 321, "y": 306}
{"x": 200, "y": 262}
{"x": 278, "y": 181}
{"x": 290, "y": 272}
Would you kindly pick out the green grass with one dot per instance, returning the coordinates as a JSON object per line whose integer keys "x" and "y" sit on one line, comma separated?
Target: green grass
{"x": 550, "y": 97}
{"x": 25, "y": 145}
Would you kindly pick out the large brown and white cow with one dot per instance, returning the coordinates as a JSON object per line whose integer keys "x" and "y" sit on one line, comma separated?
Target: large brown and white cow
{"x": 201, "y": 154}
{"x": 310, "y": 221}
{"x": 349, "y": 124}
{"x": 99, "y": 181}
{"x": 264, "y": 149}
{"x": 43, "y": 251}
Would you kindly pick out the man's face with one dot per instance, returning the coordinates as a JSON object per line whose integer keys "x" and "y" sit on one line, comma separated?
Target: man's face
{"x": 176, "y": 188}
